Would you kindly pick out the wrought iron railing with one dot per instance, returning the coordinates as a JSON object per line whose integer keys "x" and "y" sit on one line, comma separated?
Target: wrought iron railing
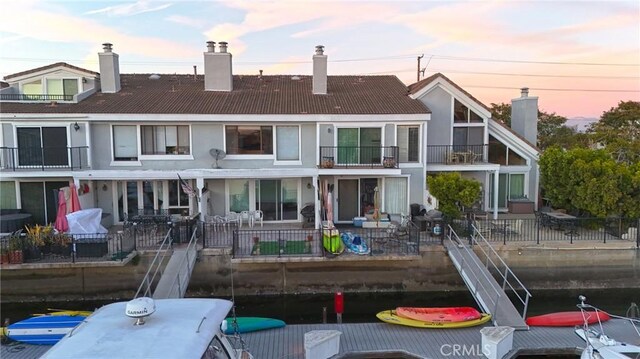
{"x": 39, "y": 97}
{"x": 19, "y": 248}
{"x": 359, "y": 156}
{"x": 457, "y": 154}
{"x": 545, "y": 228}
{"x": 13, "y": 158}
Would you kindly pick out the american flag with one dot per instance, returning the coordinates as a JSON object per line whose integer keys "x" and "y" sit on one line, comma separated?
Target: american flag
{"x": 187, "y": 189}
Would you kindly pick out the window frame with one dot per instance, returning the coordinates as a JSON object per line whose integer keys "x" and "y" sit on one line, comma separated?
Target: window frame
{"x": 417, "y": 163}
{"x": 166, "y": 155}
{"x": 276, "y": 161}
{"x": 142, "y": 157}
{"x": 239, "y": 156}
{"x": 16, "y": 157}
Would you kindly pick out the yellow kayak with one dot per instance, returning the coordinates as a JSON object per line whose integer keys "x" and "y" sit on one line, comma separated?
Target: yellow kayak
{"x": 72, "y": 313}
{"x": 389, "y": 316}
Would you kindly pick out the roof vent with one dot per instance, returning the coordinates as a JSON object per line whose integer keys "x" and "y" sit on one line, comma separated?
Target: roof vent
{"x": 154, "y": 77}
{"x": 140, "y": 308}
{"x": 295, "y": 78}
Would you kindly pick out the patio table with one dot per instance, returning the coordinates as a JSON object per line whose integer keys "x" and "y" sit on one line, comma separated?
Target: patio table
{"x": 565, "y": 222}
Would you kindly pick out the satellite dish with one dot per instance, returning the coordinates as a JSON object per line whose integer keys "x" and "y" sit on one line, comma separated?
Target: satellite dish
{"x": 218, "y": 154}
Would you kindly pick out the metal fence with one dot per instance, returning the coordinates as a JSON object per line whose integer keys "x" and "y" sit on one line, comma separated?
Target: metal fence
{"x": 65, "y": 248}
{"x": 545, "y": 229}
{"x": 217, "y": 235}
{"x": 309, "y": 242}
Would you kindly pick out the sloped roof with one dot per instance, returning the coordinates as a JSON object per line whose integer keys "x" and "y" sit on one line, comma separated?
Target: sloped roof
{"x": 52, "y": 66}
{"x": 417, "y": 86}
{"x": 278, "y": 94}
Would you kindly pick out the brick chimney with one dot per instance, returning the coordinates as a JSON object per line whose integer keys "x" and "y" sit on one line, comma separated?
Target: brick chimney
{"x": 524, "y": 116}
{"x": 218, "y": 75}
{"x": 319, "y": 71}
{"x": 109, "y": 69}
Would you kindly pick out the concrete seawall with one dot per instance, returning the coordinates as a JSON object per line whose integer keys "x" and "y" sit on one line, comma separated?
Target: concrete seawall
{"x": 539, "y": 267}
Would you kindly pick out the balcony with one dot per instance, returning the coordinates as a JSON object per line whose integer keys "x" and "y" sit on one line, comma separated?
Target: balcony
{"x": 44, "y": 158}
{"x": 34, "y": 98}
{"x": 359, "y": 157}
{"x": 457, "y": 154}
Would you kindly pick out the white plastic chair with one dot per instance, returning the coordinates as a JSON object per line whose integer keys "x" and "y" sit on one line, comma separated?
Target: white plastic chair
{"x": 258, "y": 215}
{"x": 234, "y": 217}
{"x": 246, "y": 216}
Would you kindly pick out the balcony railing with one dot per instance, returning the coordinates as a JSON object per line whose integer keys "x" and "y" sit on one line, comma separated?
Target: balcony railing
{"x": 457, "y": 154}
{"x": 41, "y": 97}
{"x": 12, "y": 158}
{"x": 359, "y": 156}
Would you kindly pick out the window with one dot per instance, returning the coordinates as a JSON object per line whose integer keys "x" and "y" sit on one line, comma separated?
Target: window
{"x": 178, "y": 200}
{"x": 165, "y": 140}
{"x": 32, "y": 88}
{"x": 238, "y": 195}
{"x": 8, "y": 197}
{"x": 503, "y": 155}
{"x": 42, "y": 146}
{"x": 288, "y": 143}
{"x": 409, "y": 143}
{"x": 510, "y": 186}
{"x": 278, "y": 199}
{"x": 395, "y": 195}
{"x": 68, "y": 87}
{"x": 468, "y": 139}
{"x": 462, "y": 114}
{"x": 249, "y": 140}
{"x": 125, "y": 143}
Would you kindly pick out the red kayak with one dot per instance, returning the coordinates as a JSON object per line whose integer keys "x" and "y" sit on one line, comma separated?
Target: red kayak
{"x": 439, "y": 315}
{"x": 566, "y": 319}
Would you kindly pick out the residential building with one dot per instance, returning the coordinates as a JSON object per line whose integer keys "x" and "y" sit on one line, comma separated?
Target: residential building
{"x": 272, "y": 143}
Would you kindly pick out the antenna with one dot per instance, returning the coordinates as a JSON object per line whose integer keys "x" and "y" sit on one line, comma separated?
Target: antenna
{"x": 218, "y": 154}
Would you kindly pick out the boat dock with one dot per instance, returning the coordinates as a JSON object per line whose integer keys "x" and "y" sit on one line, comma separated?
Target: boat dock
{"x": 288, "y": 342}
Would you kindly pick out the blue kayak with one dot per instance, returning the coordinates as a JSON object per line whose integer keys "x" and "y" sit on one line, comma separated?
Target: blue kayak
{"x": 252, "y": 324}
{"x": 43, "y": 330}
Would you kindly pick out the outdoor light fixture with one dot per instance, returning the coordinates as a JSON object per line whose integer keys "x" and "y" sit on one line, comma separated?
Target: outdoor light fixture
{"x": 76, "y": 126}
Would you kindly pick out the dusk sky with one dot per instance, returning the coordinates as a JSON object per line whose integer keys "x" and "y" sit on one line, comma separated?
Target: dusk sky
{"x": 580, "y": 57}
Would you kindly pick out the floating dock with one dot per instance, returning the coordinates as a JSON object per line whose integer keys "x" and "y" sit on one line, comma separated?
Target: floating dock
{"x": 288, "y": 342}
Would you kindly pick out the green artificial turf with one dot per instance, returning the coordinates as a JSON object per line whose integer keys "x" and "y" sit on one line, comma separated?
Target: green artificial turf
{"x": 270, "y": 248}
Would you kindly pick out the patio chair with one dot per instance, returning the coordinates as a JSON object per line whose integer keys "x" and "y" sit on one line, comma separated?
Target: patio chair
{"x": 483, "y": 227}
{"x": 246, "y": 216}
{"x": 515, "y": 227}
{"x": 234, "y": 217}
{"x": 258, "y": 215}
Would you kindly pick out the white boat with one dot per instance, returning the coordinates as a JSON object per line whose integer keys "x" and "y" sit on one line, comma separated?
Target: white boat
{"x": 147, "y": 328}
{"x": 599, "y": 345}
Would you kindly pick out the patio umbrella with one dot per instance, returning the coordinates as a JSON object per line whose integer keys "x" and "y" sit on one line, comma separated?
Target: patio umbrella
{"x": 330, "y": 207}
{"x": 376, "y": 204}
{"x": 61, "y": 217}
{"x": 74, "y": 204}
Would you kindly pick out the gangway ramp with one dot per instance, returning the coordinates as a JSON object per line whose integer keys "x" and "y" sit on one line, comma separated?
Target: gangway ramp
{"x": 172, "y": 280}
{"x": 485, "y": 289}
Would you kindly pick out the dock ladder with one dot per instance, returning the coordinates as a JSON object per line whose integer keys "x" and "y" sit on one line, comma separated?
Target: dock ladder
{"x": 481, "y": 270}
{"x": 172, "y": 280}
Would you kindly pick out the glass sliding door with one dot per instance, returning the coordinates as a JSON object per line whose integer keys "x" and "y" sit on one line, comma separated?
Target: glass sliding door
{"x": 348, "y": 145}
{"x": 238, "y": 195}
{"x": 370, "y": 141}
{"x": 395, "y": 195}
{"x": 42, "y": 146}
{"x": 40, "y": 199}
{"x": 278, "y": 199}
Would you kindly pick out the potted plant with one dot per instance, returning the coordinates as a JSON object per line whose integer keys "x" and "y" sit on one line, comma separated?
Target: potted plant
{"x": 256, "y": 245}
{"x": 389, "y": 162}
{"x": 327, "y": 162}
{"x": 309, "y": 243}
{"x": 61, "y": 244}
{"x": 15, "y": 250}
{"x": 4, "y": 255}
{"x": 36, "y": 238}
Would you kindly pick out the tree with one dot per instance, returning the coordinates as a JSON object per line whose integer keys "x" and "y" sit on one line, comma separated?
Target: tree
{"x": 501, "y": 112}
{"x": 590, "y": 181}
{"x": 453, "y": 191}
{"x": 619, "y": 131}
{"x": 551, "y": 127}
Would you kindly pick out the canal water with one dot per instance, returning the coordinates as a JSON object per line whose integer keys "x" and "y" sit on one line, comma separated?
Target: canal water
{"x": 362, "y": 307}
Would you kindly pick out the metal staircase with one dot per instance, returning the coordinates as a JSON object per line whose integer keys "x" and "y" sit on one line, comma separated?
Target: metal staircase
{"x": 488, "y": 278}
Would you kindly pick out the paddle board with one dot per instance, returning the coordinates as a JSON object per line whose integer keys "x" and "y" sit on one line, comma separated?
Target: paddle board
{"x": 389, "y": 316}
{"x": 43, "y": 330}
{"x": 252, "y": 324}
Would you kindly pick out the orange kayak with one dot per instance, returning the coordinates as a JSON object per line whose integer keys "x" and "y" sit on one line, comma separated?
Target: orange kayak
{"x": 439, "y": 315}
